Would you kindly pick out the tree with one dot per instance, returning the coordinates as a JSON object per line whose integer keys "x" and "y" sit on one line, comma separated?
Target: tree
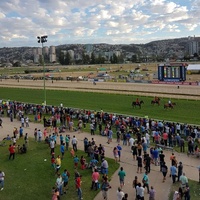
{"x": 134, "y": 58}
{"x": 93, "y": 60}
{"x": 68, "y": 59}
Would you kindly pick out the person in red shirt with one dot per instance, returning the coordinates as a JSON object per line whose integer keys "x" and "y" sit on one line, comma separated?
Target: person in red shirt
{"x": 78, "y": 187}
{"x": 95, "y": 179}
{"x": 12, "y": 151}
{"x": 165, "y": 138}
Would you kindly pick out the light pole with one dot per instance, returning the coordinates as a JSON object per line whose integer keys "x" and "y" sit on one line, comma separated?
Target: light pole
{"x": 43, "y": 39}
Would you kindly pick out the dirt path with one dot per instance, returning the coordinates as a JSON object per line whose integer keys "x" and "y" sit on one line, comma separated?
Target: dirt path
{"x": 141, "y": 89}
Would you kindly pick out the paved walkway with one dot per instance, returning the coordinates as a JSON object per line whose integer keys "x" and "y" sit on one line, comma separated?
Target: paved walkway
{"x": 162, "y": 189}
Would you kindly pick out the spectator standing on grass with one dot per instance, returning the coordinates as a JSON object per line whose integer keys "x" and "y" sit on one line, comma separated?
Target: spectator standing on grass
{"x": 59, "y": 184}
{"x": 183, "y": 180}
{"x": 78, "y": 186}
{"x": 2, "y": 177}
{"x": 62, "y": 150}
{"x": 12, "y": 151}
{"x": 52, "y": 145}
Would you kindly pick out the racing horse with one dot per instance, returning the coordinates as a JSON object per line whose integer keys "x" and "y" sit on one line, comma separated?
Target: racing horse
{"x": 134, "y": 104}
{"x": 156, "y": 101}
{"x": 167, "y": 105}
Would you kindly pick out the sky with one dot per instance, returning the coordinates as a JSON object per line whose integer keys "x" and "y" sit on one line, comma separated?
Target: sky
{"x": 96, "y": 21}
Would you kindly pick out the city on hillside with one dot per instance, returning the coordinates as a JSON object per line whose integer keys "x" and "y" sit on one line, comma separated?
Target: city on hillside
{"x": 180, "y": 49}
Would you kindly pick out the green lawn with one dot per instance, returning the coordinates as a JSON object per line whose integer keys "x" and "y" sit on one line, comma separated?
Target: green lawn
{"x": 186, "y": 111}
{"x": 30, "y": 177}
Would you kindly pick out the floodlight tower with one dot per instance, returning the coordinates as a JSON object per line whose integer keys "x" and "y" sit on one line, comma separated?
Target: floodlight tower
{"x": 43, "y": 39}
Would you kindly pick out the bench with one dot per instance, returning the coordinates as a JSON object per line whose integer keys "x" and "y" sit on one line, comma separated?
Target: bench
{"x": 165, "y": 147}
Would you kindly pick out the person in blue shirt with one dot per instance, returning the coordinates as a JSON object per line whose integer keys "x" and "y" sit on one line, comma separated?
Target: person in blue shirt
{"x": 119, "y": 149}
{"x": 173, "y": 171}
{"x": 155, "y": 156}
{"x": 76, "y": 160}
{"x": 61, "y": 139}
{"x": 65, "y": 179}
{"x": 62, "y": 150}
{"x": 21, "y": 130}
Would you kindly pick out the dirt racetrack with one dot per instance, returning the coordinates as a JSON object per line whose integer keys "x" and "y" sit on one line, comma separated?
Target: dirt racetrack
{"x": 140, "y": 89}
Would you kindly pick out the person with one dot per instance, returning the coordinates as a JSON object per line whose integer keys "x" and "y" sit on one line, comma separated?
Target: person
{"x": 55, "y": 194}
{"x": 95, "y": 179}
{"x": 78, "y": 186}
{"x": 104, "y": 166}
{"x": 135, "y": 184}
{"x": 139, "y": 164}
{"x": 58, "y": 164}
{"x": 67, "y": 138}
{"x": 120, "y": 194}
{"x": 104, "y": 188}
{"x": 140, "y": 192}
{"x": 152, "y": 193}
{"x": 76, "y": 160}
{"x": 137, "y": 101}
{"x": 147, "y": 163}
{"x": 62, "y": 150}
{"x": 183, "y": 180}
{"x": 83, "y": 163}
{"x": 74, "y": 143}
{"x": 125, "y": 197}
{"x": 1, "y": 121}
{"x": 2, "y": 177}
{"x": 119, "y": 149}
{"x": 52, "y": 146}
{"x": 115, "y": 154}
{"x": 173, "y": 172}
{"x": 65, "y": 178}
{"x": 12, "y": 151}
{"x": 164, "y": 170}
{"x": 145, "y": 181}
{"x": 169, "y": 103}
{"x": 187, "y": 192}
{"x": 180, "y": 171}
{"x": 59, "y": 183}
{"x": 134, "y": 151}
{"x": 162, "y": 159}
{"x": 121, "y": 175}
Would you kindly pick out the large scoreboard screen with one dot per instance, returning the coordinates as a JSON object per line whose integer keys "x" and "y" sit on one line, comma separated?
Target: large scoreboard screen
{"x": 171, "y": 72}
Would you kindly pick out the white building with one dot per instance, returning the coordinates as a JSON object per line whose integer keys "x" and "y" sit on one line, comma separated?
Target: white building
{"x": 193, "y": 46}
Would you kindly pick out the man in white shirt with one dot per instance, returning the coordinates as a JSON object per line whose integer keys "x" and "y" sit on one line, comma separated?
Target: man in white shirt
{"x": 74, "y": 143}
{"x": 131, "y": 141}
{"x": 147, "y": 136}
{"x": 120, "y": 194}
{"x": 52, "y": 145}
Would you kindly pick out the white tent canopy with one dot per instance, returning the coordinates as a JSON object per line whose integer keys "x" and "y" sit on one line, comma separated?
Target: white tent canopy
{"x": 193, "y": 67}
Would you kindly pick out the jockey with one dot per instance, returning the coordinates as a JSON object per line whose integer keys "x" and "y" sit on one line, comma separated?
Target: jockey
{"x": 170, "y": 103}
{"x": 137, "y": 101}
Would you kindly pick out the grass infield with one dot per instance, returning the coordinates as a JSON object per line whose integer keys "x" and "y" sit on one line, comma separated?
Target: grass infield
{"x": 185, "y": 111}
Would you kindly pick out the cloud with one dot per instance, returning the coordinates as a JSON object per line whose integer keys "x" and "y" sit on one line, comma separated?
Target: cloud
{"x": 105, "y": 21}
